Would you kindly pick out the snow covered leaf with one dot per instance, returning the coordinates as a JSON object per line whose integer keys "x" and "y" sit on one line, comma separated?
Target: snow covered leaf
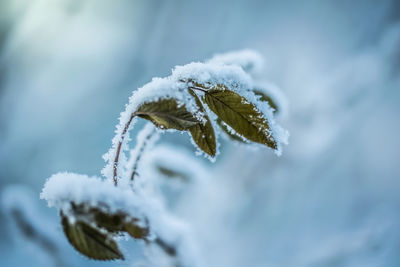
{"x": 111, "y": 222}
{"x": 266, "y": 98}
{"x": 231, "y": 135}
{"x": 240, "y": 114}
{"x": 203, "y": 134}
{"x": 120, "y": 223}
{"x": 167, "y": 114}
{"x": 90, "y": 241}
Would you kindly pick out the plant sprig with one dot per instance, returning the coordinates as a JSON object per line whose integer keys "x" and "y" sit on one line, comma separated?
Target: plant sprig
{"x": 91, "y": 227}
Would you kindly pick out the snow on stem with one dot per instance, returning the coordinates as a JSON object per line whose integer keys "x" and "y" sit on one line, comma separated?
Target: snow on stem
{"x": 118, "y": 152}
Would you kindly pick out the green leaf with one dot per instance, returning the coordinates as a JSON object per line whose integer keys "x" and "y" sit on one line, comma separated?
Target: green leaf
{"x": 136, "y": 231}
{"x": 231, "y": 135}
{"x": 167, "y": 114}
{"x": 90, "y": 241}
{"x": 240, "y": 114}
{"x": 203, "y": 134}
{"x": 266, "y": 98}
{"x": 111, "y": 222}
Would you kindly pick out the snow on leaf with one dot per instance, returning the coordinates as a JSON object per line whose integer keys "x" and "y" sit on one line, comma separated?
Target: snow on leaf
{"x": 156, "y": 90}
{"x": 67, "y": 191}
{"x": 203, "y": 134}
{"x": 211, "y": 75}
{"x": 241, "y": 115}
{"x": 228, "y": 132}
{"x": 112, "y": 222}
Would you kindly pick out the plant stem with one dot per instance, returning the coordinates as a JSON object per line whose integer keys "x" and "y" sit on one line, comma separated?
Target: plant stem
{"x": 126, "y": 127}
{"x": 116, "y": 159}
{"x": 140, "y": 153}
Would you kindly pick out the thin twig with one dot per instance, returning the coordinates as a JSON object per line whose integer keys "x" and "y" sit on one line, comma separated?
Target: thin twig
{"x": 116, "y": 159}
{"x": 126, "y": 127}
{"x": 140, "y": 153}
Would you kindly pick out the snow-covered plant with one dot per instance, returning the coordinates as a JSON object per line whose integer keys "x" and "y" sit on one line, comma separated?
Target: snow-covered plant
{"x": 198, "y": 98}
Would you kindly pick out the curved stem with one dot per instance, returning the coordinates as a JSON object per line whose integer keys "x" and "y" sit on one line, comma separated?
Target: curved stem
{"x": 116, "y": 159}
{"x": 140, "y": 153}
{"x": 126, "y": 127}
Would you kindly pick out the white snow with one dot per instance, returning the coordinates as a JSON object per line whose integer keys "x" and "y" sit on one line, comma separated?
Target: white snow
{"x": 235, "y": 79}
{"x": 158, "y": 88}
{"x": 212, "y": 74}
{"x": 63, "y": 188}
{"x": 143, "y": 198}
{"x": 175, "y": 86}
{"x": 251, "y": 61}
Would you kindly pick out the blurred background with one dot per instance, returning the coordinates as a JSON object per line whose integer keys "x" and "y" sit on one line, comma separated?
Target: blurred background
{"x": 67, "y": 68}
